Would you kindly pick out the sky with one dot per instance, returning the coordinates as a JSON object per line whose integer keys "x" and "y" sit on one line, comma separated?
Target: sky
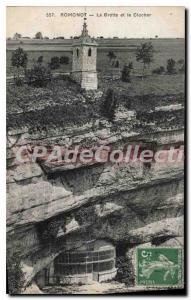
{"x": 130, "y": 22}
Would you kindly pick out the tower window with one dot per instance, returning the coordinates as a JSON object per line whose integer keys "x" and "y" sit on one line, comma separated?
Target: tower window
{"x": 89, "y": 52}
{"x": 77, "y": 52}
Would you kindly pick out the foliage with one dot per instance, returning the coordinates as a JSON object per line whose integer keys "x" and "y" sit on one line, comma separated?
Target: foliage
{"x": 111, "y": 55}
{"x": 160, "y": 70}
{"x": 109, "y": 104}
{"x": 86, "y": 216}
{"x": 64, "y": 60}
{"x": 125, "y": 74}
{"x": 40, "y": 59}
{"x": 54, "y": 63}
{"x": 17, "y": 36}
{"x": 38, "y": 35}
{"x": 19, "y": 58}
{"x": 144, "y": 54}
{"x": 117, "y": 64}
{"x": 38, "y": 75}
{"x": 49, "y": 229}
{"x": 15, "y": 274}
{"x": 66, "y": 109}
{"x": 130, "y": 65}
{"x": 125, "y": 270}
{"x": 171, "y": 66}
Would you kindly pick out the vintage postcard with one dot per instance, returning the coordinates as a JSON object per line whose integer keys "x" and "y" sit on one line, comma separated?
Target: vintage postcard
{"x": 95, "y": 150}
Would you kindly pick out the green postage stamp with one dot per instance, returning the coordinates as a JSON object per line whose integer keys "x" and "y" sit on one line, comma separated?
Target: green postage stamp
{"x": 159, "y": 267}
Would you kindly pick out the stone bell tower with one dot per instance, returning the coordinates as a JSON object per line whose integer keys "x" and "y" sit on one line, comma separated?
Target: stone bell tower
{"x": 84, "y": 60}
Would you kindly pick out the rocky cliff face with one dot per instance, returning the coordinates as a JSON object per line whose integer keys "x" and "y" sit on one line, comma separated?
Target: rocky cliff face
{"x": 53, "y": 207}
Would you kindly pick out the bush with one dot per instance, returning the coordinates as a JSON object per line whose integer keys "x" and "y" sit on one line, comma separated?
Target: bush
{"x": 18, "y": 81}
{"x": 171, "y": 66}
{"x": 109, "y": 105}
{"x": 19, "y": 58}
{"x": 117, "y": 64}
{"x": 64, "y": 60}
{"x": 125, "y": 74}
{"x": 38, "y": 76}
{"x": 54, "y": 63}
{"x": 125, "y": 270}
{"x": 159, "y": 71}
{"x": 40, "y": 59}
{"x": 15, "y": 274}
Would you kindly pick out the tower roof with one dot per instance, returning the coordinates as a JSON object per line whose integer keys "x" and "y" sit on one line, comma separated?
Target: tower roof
{"x": 85, "y": 38}
{"x": 85, "y": 29}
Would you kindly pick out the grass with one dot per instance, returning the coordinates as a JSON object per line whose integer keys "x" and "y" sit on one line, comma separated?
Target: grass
{"x": 124, "y": 50}
{"x": 62, "y": 104}
{"x": 152, "y": 84}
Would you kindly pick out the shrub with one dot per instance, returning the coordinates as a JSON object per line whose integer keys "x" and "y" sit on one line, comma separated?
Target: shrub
{"x": 38, "y": 75}
{"x": 171, "y": 66}
{"x": 18, "y": 81}
{"x": 159, "y": 71}
{"x": 19, "y": 60}
{"x": 40, "y": 59}
{"x": 64, "y": 60}
{"x": 15, "y": 274}
{"x": 55, "y": 62}
{"x": 117, "y": 64}
{"x": 130, "y": 65}
{"x": 125, "y": 270}
{"x": 109, "y": 104}
{"x": 125, "y": 74}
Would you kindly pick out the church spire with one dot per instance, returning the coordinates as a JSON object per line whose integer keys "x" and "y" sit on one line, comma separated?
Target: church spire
{"x": 85, "y": 30}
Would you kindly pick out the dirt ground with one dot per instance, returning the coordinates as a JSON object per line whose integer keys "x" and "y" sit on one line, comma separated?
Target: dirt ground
{"x": 92, "y": 288}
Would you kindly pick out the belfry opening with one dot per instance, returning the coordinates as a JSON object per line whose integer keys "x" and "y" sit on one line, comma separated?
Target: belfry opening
{"x": 95, "y": 262}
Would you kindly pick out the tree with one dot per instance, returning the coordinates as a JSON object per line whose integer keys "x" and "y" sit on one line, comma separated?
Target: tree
{"x": 19, "y": 60}
{"x": 17, "y": 36}
{"x": 171, "y": 69}
{"x": 130, "y": 65}
{"x": 40, "y": 59}
{"x": 111, "y": 55}
{"x": 55, "y": 62}
{"x": 39, "y": 35}
{"x": 64, "y": 60}
{"x": 38, "y": 75}
{"x": 15, "y": 273}
{"x": 144, "y": 54}
{"x": 109, "y": 104}
{"x": 125, "y": 74}
{"x": 117, "y": 64}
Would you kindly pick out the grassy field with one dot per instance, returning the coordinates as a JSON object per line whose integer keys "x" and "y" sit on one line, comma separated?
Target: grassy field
{"x": 62, "y": 103}
{"x": 124, "y": 49}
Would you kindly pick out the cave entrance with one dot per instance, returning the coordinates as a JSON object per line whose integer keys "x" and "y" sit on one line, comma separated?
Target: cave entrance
{"x": 97, "y": 263}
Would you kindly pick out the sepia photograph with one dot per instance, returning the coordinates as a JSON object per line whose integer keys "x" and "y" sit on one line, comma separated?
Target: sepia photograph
{"x": 95, "y": 123}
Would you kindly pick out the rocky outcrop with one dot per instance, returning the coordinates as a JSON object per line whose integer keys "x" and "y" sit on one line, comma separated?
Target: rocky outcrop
{"x": 130, "y": 203}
